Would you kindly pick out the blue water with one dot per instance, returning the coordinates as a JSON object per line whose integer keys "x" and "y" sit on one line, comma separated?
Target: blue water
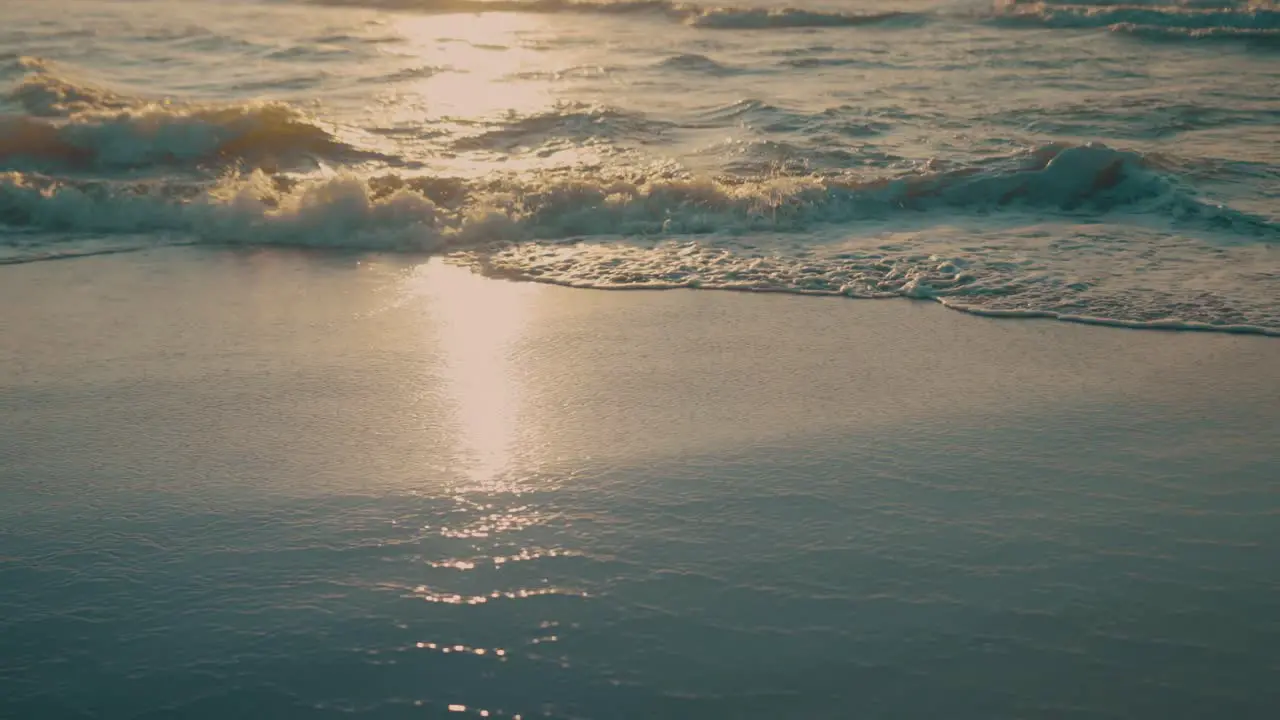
{"x": 296, "y": 485}
{"x": 237, "y": 480}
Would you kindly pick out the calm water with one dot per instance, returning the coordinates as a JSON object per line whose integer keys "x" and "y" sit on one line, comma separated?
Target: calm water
{"x": 310, "y": 488}
{"x": 231, "y": 485}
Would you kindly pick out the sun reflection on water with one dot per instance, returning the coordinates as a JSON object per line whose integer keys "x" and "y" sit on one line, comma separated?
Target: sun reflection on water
{"x": 479, "y": 323}
{"x": 479, "y": 56}
{"x": 475, "y": 80}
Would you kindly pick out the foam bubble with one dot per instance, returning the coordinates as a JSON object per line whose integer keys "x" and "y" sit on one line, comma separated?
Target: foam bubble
{"x": 1115, "y": 276}
{"x": 341, "y": 211}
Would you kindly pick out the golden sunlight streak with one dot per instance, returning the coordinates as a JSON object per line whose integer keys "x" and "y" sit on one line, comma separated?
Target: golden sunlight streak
{"x": 479, "y": 323}
{"x": 481, "y": 57}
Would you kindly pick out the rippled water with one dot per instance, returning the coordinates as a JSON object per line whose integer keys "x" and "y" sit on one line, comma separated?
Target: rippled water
{"x": 1106, "y": 162}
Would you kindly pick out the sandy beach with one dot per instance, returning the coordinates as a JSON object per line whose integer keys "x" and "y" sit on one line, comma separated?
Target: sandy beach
{"x": 234, "y": 460}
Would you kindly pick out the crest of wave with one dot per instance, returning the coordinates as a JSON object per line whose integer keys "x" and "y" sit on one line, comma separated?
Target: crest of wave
{"x": 77, "y": 124}
{"x": 391, "y": 212}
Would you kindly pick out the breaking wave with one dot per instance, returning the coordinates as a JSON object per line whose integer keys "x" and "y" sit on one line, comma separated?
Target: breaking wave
{"x": 71, "y": 125}
{"x": 430, "y": 213}
{"x": 255, "y": 134}
{"x": 44, "y": 94}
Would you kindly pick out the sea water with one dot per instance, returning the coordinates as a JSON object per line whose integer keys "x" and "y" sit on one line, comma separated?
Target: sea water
{"x": 294, "y": 542}
{"x": 1109, "y": 162}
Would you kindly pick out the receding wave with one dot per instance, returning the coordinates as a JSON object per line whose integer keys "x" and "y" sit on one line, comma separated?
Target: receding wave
{"x": 72, "y": 250}
{"x": 77, "y": 126}
{"x": 984, "y": 272}
{"x": 714, "y": 18}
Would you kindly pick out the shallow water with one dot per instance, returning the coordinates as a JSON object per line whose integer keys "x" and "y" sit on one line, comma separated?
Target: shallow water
{"x": 1113, "y": 162}
{"x": 308, "y": 488}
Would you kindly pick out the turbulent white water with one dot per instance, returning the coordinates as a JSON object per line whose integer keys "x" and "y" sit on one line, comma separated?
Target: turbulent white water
{"x": 1106, "y": 162}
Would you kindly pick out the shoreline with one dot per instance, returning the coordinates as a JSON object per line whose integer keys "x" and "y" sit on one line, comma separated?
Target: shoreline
{"x": 1166, "y": 325}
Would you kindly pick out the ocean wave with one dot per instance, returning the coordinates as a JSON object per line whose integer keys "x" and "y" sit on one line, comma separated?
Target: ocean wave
{"x": 576, "y": 71}
{"x": 693, "y": 62}
{"x": 1049, "y": 253}
{"x": 842, "y": 120}
{"x": 427, "y": 214}
{"x": 1189, "y": 21}
{"x": 1136, "y": 116}
{"x": 42, "y": 93}
{"x": 753, "y": 157}
{"x": 746, "y": 110}
{"x": 73, "y": 251}
{"x": 1265, "y": 37}
{"x": 760, "y": 19}
{"x": 1239, "y": 5}
{"x": 257, "y": 135}
{"x": 73, "y": 125}
{"x": 575, "y": 123}
{"x": 711, "y": 18}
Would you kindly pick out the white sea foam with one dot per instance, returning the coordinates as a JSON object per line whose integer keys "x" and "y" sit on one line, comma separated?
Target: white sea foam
{"x": 1014, "y": 272}
{"x": 256, "y": 206}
